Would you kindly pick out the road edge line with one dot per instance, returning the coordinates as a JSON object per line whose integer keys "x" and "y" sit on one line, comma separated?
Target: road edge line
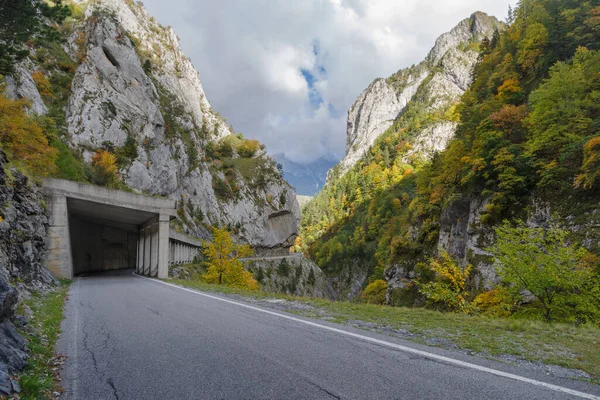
{"x": 396, "y": 346}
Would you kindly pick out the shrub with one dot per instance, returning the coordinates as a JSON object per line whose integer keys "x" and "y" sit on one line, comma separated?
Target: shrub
{"x": 590, "y": 169}
{"x": 448, "y": 289}
{"x": 249, "y": 148}
{"x": 225, "y": 149}
{"x": 497, "y": 302}
{"x": 42, "y": 83}
{"x": 24, "y": 138}
{"x": 375, "y": 292}
{"x": 69, "y": 165}
{"x": 221, "y": 188}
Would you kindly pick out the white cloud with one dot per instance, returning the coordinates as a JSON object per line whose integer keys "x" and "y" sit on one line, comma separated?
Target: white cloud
{"x": 251, "y": 55}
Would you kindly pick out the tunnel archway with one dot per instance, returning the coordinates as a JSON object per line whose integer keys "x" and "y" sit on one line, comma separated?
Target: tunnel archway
{"x": 103, "y": 237}
{"x": 95, "y": 229}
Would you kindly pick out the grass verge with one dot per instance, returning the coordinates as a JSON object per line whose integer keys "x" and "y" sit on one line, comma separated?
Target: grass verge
{"x": 39, "y": 379}
{"x": 569, "y": 346}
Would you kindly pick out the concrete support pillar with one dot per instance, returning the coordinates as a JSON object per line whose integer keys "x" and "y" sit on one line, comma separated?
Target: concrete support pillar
{"x": 60, "y": 259}
{"x": 140, "y": 253}
{"x": 173, "y": 253}
{"x": 163, "y": 245}
{"x": 147, "y": 250}
{"x": 154, "y": 250}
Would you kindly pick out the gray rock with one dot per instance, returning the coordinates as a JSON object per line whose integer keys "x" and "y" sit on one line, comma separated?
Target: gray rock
{"x": 21, "y": 86}
{"x": 440, "y": 80}
{"x": 22, "y": 258}
{"x": 114, "y": 97}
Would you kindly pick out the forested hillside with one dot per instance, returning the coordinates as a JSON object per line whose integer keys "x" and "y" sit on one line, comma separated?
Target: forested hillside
{"x": 527, "y": 147}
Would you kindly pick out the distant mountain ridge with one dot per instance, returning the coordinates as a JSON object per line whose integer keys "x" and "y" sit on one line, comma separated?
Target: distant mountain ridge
{"x": 306, "y": 179}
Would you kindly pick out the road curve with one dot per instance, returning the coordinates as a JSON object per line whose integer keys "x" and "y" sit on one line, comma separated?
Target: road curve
{"x": 127, "y": 337}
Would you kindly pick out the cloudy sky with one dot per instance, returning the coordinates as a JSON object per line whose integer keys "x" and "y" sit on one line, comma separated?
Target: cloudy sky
{"x": 285, "y": 72}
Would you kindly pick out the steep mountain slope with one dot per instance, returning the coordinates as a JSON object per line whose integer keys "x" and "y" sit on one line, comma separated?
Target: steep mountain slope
{"x": 416, "y": 109}
{"x": 116, "y": 89}
{"x": 437, "y": 82}
{"x": 525, "y": 149}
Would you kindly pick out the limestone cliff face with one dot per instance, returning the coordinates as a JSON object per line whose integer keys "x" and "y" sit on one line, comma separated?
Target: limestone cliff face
{"x": 133, "y": 87}
{"x": 437, "y": 83}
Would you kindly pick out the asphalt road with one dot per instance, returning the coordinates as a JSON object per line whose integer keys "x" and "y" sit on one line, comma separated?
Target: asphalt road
{"x": 128, "y": 337}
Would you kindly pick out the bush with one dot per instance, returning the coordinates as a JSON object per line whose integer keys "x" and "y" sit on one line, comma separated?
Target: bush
{"x": 375, "y": 292}
{"x": 24, "y": 138}
{"x": 540, "y": 262}
{"x": 221, "y": 188}
{"x": 249, "y": 148}
{"x": 225, "y": 149}
{"x": 69, "y": 165}
{"x": 448, "y": 289}
{"x": 496, "y": 302}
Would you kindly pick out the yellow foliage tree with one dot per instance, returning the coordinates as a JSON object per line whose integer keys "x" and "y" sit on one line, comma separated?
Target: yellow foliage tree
{"x": 105, "y": 169}
{"x": 449, "y": 286}
{"x": 224, "y": 266}
{"x": 591, "y": 164}
{"x": 24, "y": 139}
{"x": 375, "y": 292}
{"x": 42, "y": 83}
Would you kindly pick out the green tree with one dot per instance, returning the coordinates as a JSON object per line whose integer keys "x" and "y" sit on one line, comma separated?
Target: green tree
{"x": 540, "y": 262}
{"x": 223, "y": 261}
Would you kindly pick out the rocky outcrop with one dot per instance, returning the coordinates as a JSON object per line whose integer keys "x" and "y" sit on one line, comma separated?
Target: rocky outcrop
{"x": 22, "y": 86}
{"x": 374, "y": 112}
{"x": 463, "y": 236}
{"x": 23, "y": 224}
{"x": 437, "y": 83}
{"x": 293, "y": 275}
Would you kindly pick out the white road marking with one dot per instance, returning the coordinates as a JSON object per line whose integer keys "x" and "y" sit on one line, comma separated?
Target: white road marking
{"x": 406, "y": 349}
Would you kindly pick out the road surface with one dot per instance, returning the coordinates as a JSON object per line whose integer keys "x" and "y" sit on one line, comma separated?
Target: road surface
{"x": 128, "y": 337}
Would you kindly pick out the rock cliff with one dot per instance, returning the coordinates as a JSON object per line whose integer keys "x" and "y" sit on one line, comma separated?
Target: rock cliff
{"x": 436, "y": 84}
{"x": 23, "y": 224}
{"x": 135, "y": 94}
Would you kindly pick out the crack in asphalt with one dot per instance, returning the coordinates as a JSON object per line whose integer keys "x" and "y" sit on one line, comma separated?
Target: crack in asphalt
{"x": 153, "y": 311}
{"x": 324, "y": 390}
{"x": 92, "y": 349}
{"x": 86, "y": 346}
{"x": 114, "y": 388}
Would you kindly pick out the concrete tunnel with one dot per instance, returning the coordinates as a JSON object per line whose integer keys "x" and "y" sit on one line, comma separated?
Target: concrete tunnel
{"x": 95, "y": 229}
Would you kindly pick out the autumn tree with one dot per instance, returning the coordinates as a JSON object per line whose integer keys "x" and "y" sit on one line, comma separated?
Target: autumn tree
{"x": 223, "y": 262}
{"x": 104, "y": 165}
{"x": 449, "y": 287}
{"x": 24, "y": 138}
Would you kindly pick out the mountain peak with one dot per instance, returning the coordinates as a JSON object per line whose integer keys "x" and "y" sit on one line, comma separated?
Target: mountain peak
{"x": 441, "y": 79}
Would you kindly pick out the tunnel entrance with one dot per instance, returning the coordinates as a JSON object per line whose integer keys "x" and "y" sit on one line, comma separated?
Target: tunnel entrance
{"x": 103, "y": 237}
{"x": 95, "y": 229}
